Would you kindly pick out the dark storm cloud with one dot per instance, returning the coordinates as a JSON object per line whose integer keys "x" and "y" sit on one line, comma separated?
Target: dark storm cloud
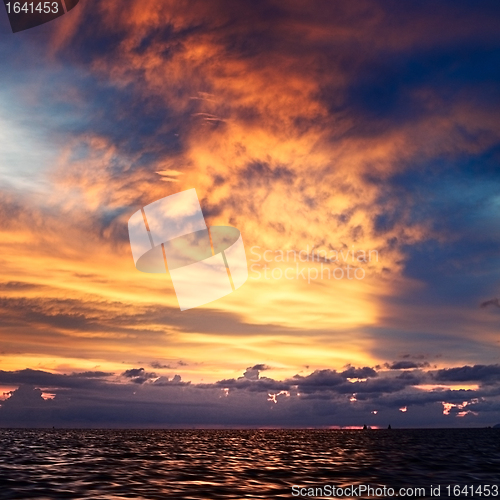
{"x": 253, "y": 372}
{"x": 176, "y": 380}
{"x": 323, "y": 384}
{"x": 364, "y": 372}
{"x": 81, "y": 400}
{"x": 139, "y": 375}
{"x": 133, "y": 372}
{"x": 476, "y": 373}
{"x": 377, "y": 386}
{"x": 332, "y": 380}
{"x": 260, "y": 385}
{"x": 42, "y": 378}
{"x": 414, "y": 399}
{"x": 319, "y": 379}
{"x": 25, "y": 395}
{"x": 405, "y": 365}
{"x": 260, "y": 367}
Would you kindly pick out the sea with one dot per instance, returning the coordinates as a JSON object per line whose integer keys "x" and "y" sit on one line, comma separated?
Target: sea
{"x": 246, "y": 464}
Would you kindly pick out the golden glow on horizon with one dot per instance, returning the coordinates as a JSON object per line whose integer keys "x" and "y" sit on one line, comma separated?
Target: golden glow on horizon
{"x": 446, "y": 387}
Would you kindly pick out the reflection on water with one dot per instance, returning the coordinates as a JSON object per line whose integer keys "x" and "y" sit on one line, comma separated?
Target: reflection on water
{"x": 206, "y": 464}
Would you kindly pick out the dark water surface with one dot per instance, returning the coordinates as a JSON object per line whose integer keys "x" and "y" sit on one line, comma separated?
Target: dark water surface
{"x": 206, "y": 464}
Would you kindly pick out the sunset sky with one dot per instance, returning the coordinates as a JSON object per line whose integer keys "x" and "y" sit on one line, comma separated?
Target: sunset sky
{"x": 315, "y": 128}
